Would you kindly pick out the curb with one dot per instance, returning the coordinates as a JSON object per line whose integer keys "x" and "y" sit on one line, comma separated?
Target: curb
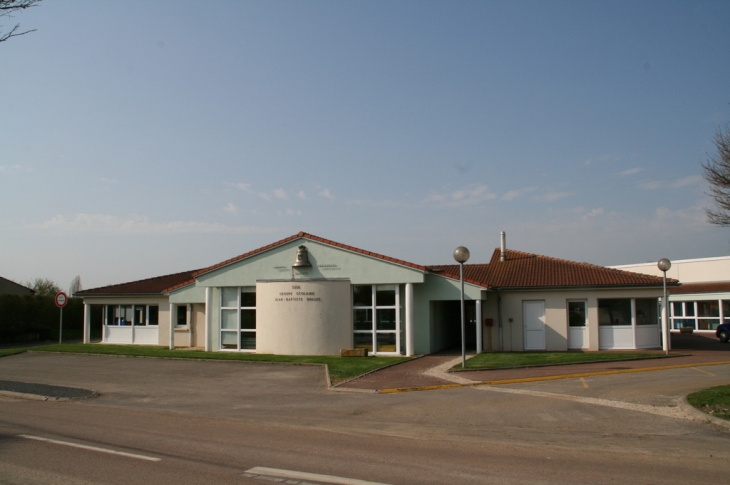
{"x": 337, "y": 387}
{"x": 701, "y": 415}
{"x": 549, "y": 378}
{"x": 38, "y": 397}
{"x": 634, "y": 359}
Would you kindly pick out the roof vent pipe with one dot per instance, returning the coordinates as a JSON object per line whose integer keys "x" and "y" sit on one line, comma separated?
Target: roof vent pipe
{"x": 503, "y": 247}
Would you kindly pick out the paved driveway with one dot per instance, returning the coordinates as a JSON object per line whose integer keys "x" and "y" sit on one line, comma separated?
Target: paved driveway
{"x": 623, "y": 427}
{"x": 297, "y": 395}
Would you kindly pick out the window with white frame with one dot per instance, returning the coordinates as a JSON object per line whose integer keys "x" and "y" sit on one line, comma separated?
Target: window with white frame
{"x": 699, "y": 315}
{"x": 138, "y": 315}
{"x": 622, "y": 311}
{"x": 182, "y": 315}
{"x": 238, "y": 319}
{"x": 376, "y": 318}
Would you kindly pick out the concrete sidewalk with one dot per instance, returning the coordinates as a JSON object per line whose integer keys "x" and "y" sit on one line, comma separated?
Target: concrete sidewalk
{"x": 688, "y": 351}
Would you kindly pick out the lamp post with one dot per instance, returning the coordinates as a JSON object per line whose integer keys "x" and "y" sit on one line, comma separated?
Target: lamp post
{"x": 461, "y": 255}
{"x": 664, "y": 264}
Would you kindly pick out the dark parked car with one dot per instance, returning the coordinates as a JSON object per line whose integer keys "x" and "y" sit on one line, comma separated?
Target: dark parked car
{"x": 723, "y": 332}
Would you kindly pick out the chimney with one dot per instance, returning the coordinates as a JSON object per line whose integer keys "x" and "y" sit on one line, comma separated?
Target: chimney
{"x": 503, "y": 247}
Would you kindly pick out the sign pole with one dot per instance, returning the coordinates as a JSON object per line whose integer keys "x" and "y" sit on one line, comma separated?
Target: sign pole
{"x": 61, "y": 299}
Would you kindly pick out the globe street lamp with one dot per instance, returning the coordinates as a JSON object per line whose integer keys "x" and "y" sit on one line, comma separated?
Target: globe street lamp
{"x": 664, "y": 264}
{"x": 461, "y": 255}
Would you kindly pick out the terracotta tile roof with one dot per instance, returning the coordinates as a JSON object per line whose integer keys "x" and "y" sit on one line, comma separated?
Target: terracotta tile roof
{"x": 165, "y": 284}
{"x": 704, "y": 287}
{"x": 150, "y": 286}
{"x": 526, "y": 270}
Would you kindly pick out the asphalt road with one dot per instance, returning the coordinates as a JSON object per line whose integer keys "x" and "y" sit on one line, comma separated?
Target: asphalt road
{"x": 211, "y": 422}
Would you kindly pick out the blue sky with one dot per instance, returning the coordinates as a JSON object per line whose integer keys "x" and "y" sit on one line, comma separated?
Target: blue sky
{"x": 144, "y": 138}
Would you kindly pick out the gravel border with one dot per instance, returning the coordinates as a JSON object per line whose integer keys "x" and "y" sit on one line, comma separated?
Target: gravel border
{"x": 701, "y": 415}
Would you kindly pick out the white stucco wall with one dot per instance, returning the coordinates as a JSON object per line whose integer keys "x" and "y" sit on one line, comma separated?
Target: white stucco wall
{"x": 303, "y": 317}
{"x": 556, "y": 314}
{"x": 687, "y": 270}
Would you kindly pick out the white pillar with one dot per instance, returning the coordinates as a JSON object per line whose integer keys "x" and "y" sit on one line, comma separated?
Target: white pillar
{"x": 480, "y": 326}
{"x": 87, "y": 324}
{"x": 409, "y": 320}
{"x": 208, "y": 316}
{"x": 172, "y": 326}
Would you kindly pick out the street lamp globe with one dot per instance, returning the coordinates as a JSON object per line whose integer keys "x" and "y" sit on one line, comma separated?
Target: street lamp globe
{"x": 664, "y": 264}
{"x": 461, "y": 255}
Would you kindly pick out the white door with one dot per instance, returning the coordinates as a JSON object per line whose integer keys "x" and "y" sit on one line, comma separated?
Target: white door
{"x": 533, "y": 321}
{"x": 577, "y": 337}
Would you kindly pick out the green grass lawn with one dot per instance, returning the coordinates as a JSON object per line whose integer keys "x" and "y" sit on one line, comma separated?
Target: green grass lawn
{"x": 506, "y": 360}
{"x": 714, "y": 401}
{"x": 340, "y": 368}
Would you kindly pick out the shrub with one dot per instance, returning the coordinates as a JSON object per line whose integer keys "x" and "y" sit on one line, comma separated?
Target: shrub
{"x": 25, "y": 318}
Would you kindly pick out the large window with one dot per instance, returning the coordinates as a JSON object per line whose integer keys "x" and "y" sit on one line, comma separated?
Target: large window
{"x": 377, "y": 318}
{"x": 699, "y": 315}
{"x": 238, "y": 319}
{"x": 139, "y": 315}
{"x": 614, "y": 311}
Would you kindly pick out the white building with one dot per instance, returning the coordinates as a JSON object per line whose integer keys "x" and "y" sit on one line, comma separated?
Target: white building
{"x": 308, "y": 295}
{"x": 702, "y": 301}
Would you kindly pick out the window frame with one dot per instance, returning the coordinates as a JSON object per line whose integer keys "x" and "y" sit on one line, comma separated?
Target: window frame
{"x": 239, "y": 308}
{"x": 117, "y": 308}
{"x": 695, "y": 321}
{"x": 374, "y": 332}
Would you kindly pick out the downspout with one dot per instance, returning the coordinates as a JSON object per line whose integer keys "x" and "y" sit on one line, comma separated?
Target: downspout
{"x": 499, "y": 320}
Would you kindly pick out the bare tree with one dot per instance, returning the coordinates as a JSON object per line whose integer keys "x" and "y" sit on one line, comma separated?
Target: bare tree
{"x": 8, "y": 8}
{"x": 75, "y": 286}
{"x": 717, "y": 172}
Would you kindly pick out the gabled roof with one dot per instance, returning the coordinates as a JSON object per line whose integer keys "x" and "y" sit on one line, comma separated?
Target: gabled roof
{"x": 328, "y": 242}
{"x": 166, "y": 284}
{"x": 150, "y": 286}
{"x": 312, "y": 238}
{"x": 527, "y": 270}
{"x": 16, "y": 286}
{"x": 704, "y": 287}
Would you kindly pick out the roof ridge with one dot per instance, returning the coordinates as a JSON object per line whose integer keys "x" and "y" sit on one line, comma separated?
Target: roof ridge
{"x": 311, "y": 237}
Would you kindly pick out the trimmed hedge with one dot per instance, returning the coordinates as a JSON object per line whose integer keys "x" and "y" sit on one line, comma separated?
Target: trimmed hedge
{"x": 27, "y": 318}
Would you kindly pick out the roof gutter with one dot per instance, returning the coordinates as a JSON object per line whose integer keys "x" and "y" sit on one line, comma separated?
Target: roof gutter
{"x": 584, "y": 287}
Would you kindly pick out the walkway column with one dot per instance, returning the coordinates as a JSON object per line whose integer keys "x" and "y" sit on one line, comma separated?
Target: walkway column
{"x": 87, "y": 324}
{"x": 172, "y": 326}
{"x": 409, "y": 320}
{"x": 208, "y": 316}
{"x": 479, "y": 326}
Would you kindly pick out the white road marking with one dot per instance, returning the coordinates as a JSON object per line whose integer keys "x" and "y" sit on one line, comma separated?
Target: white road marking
{"x": 92, "y": 448}
{"x": 314, "y": 477}
{"x": 669, "y": 412}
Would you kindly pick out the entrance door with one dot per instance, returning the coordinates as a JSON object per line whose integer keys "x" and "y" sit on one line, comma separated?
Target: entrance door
{"x": 533, "y": 320}
{"x": 577, "y": 338}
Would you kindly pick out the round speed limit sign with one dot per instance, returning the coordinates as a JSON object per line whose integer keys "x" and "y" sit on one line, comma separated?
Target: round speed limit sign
{"x": 61, "y": 299}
